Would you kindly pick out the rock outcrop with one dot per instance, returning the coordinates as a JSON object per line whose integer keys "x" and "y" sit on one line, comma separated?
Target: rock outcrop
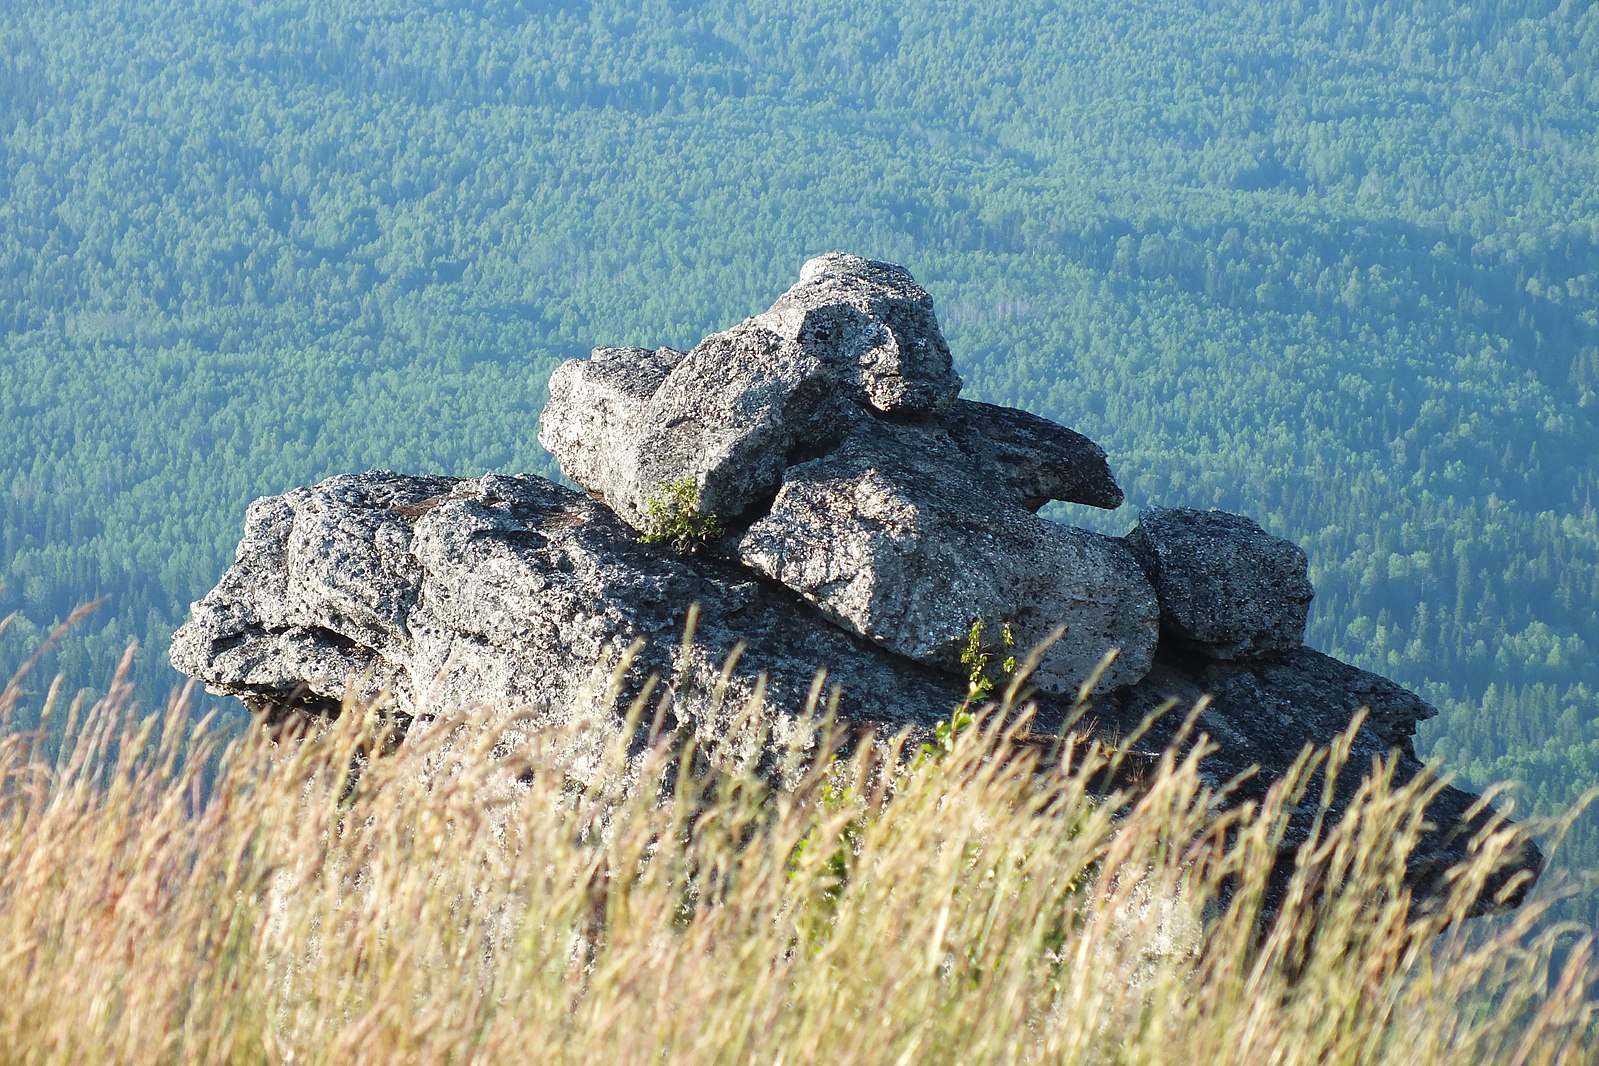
{"x": 827, "y": 431}
{"x": 508, "y": 591}
{"x": 867, "y": 518}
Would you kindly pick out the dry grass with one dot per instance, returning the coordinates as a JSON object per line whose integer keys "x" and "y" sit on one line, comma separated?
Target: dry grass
{"x": 168, "y": 898}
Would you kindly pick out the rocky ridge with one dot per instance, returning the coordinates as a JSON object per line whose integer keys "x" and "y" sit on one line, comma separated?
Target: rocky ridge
{"x": 867, "y": 518}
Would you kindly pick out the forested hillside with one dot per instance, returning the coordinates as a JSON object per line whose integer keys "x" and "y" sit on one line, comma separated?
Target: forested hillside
{"x": 1332, "y": 265}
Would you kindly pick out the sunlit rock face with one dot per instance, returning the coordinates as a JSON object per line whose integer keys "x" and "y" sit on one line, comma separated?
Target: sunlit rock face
{"x": 874, "y": 326}
{"x": 898, "y": 536}
{"x": 827, "y": 431}
{"x": 867, "y": 519}
{"x": 510, "y": 591}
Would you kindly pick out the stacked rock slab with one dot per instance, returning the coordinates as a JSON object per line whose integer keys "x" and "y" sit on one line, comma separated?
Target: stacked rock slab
{"x": 827, "y": 432}
{"x": 1226, "y": 587}
{"x": 872, "y": 515}
{"x": 510, "y": 592}
{"x": 883, "y": 535}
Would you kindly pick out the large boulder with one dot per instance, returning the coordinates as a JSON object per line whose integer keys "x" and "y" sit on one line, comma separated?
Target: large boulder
{"x": 853, "y": 337}
{"x": 727, "y": 416}
{"x": 606, "y": 398}
{"x": 1227, "y": 587}
{"x": 875, "y": 325}
{"x": 899, "y": 537}
{"x": 852, "y": 342}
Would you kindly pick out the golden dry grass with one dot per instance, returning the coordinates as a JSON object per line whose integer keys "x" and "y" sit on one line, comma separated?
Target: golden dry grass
{"x": 167, "y": 897}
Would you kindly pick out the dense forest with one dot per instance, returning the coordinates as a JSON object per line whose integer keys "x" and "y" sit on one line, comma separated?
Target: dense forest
{"x": 1334, "y": 265}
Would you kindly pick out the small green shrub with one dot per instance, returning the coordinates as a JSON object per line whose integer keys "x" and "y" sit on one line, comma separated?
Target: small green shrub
{"x": 982, "y": 682}
{"x": 834, "y": 842}
{"x": 673, "y": 517}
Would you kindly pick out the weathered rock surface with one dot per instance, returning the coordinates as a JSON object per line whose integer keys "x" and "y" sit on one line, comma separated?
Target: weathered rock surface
{"x": 875, "y": 326}
{"x": 853, "y": 339}
{"x": 1261, "y": 715}
{"x": 871, "y": 517}
{"x": 1035, "y": 458}
{"x": 505, "y": 591}
{"x": 606, "y": 397}
{"x": 520, "y": 594}
{"x": 1226, "y": 586}
{"x": 911, "y": 558}
{"x": 903, "y": 530}
{"x": 726, "y": 415}
{"x": 852, "y": 336}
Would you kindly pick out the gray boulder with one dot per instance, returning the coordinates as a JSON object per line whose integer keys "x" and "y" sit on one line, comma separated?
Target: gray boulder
{"x": 605, "y": 398}
{"x": 851, "y": 337}
{"x": 1034, "y": 458}
{"x": 318, "y": 597}
{"x": 727, "y": 415}
{"x": 873, "y": 324}
{"x": 900, "y": 537}
{"x": 1227, "y": 587}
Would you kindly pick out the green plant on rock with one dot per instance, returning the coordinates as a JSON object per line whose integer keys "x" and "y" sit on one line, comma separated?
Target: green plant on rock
{"x": 673, "y": 517}
{"x": 833, "y": 844}
{"x": 981, "y": 681}
{"x": 944, "y": 734}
